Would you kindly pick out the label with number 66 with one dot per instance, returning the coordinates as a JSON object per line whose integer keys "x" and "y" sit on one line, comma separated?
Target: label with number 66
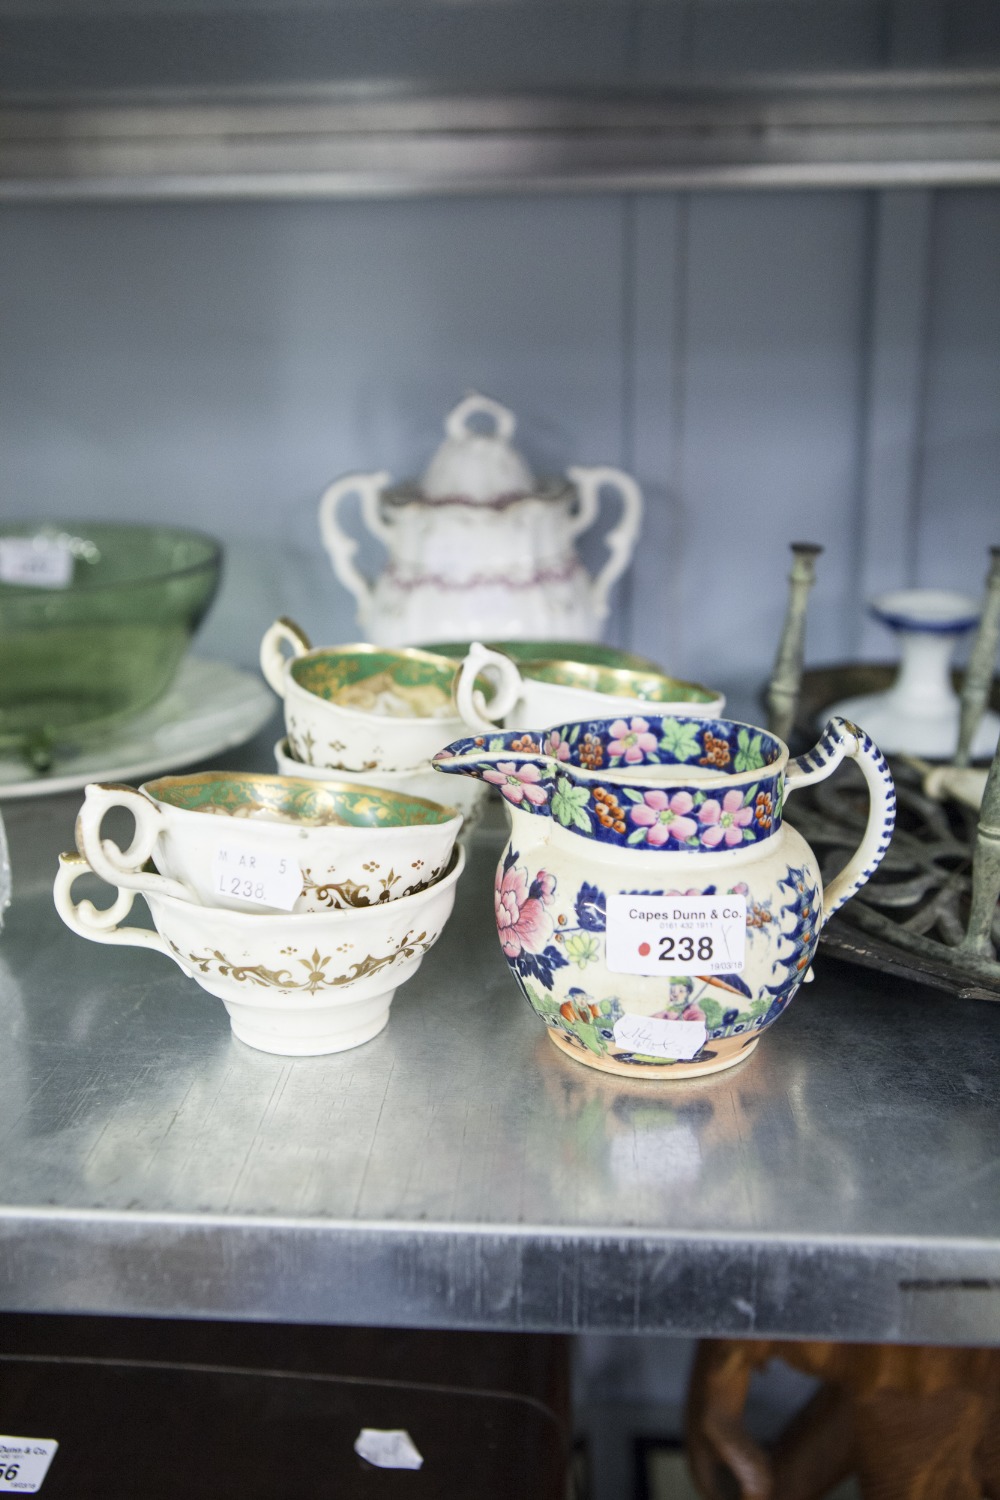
{"x": 664, "y": 935}
{"x": 24, "y": 1462}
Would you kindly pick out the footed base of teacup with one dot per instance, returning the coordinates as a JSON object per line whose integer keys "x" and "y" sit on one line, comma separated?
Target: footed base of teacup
{"x": 311, "y": 1033}
{"x": 727, "y": 1052}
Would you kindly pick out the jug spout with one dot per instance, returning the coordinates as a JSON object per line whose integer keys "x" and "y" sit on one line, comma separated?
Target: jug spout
{"x": 514, "y": 763}
{"x": 519, "y": 768}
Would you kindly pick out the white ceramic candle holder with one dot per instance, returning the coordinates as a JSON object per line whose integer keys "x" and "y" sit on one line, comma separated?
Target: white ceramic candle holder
{"x": 919, "y": 714}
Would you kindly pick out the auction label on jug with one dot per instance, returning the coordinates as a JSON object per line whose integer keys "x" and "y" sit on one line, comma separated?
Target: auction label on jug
{"x": 24, "y": 1463}
{"x": 256, "y": 875}
{"x": 40, "y": 562}
{"x": 665, "y": 935}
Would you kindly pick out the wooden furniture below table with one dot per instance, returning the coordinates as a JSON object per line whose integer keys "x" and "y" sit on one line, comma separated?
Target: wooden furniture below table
{"x": 909, "y": 1423}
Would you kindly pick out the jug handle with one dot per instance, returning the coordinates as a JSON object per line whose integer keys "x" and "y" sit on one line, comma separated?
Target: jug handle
{"x": 341, "y": 546}
{"x": 621, "y": 539}
{"x": 88, "y": 921}
{"x": 283, "y": 632}
{"x": 124, "y": 867}
{"x": 472, "y": 705}
{"x": 840, "y": 739}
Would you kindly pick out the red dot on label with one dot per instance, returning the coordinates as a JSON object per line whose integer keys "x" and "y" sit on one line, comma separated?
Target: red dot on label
{"x": 643, "y": 950}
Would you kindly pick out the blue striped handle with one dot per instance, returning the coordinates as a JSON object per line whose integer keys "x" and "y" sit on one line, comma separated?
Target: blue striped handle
{"x": 842, "y": 739}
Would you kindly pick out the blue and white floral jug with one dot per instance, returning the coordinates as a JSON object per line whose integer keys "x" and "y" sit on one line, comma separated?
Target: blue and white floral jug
{"x": 654, "y": 907}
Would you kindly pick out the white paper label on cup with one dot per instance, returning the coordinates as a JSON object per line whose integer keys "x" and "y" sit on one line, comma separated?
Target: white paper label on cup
{"x": 41, "y": 562}
{"x": 655, "y": 1036}
{"x": 254, "y": 874}
{"x": 665, "y": 935}
{"x": 24, "y": 1463}
{"x": 388, "y": 1448}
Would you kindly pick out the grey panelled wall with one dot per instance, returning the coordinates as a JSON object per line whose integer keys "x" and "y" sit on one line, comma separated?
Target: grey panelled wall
{"x": 53, "y": 45}
{"x": 960, "y": 449}
{"x": 773, "y": 365}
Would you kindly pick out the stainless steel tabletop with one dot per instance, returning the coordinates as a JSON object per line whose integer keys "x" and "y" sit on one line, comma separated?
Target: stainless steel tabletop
{"x": 457, "y": 1171}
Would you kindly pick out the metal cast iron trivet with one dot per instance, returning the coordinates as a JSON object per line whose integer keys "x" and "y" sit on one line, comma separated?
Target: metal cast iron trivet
{"x": 930, "y": 913}
{"x": 912, "y": 914}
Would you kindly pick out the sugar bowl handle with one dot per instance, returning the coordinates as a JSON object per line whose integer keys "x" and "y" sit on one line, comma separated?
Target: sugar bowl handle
{"x": 86, "y": 920}
{"x": 338, "y": 543}
{"x": 842, "y": 739}
{"x": 621, "y": 539}
{"x": 473, "y": 707}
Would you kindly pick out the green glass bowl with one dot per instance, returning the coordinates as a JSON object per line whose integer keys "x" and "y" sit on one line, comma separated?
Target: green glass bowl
{"x": 588, "y": 653}
{"x": 77, "y": 661}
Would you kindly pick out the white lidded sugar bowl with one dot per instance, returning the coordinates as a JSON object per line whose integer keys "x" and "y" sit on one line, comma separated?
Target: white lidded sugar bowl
{"x": 479, "y": 547}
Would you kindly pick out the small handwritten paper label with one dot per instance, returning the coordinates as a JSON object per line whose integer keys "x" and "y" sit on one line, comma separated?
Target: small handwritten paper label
{"x": 665, "y": 935}
{"x": 257, "y": 875}
{"x": 24, "y": 1463}
{"x": 40, "y": 562}
{"x": 388, "y": 1448}
{"x": 652, "y": 1036}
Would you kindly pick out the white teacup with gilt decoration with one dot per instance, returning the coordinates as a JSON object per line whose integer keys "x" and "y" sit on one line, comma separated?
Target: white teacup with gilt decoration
{"x": 555, "y": 691}
{"x": 248, "y": 842}
{"x": 466, "y": 796}
{"x": 299, "y": 985}
{"x": 362, "y": 707}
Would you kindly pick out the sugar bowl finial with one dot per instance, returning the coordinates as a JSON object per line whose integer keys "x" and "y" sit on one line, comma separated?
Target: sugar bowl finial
{"x": 474, "y": 465}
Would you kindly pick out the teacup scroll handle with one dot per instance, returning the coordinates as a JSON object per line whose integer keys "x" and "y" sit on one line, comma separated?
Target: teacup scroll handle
{"x": 339, "y": 544}
{"x": 472, "y": 705}
{"x": 88, "y": 921}
{"x": 124, "y": 867}
{"x": 841, "y": 739}
{"x": 621, "y": 539}
{"x": 283, "y": 632}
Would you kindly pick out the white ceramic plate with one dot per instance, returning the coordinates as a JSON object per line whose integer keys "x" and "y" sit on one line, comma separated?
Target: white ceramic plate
{"x": 210, "y": 708}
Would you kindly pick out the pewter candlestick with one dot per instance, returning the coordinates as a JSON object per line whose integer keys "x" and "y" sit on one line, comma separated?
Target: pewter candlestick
{"x": 783, "y": 688}
{"x": 985, "y": 870}
{"x": 979, "y": 673}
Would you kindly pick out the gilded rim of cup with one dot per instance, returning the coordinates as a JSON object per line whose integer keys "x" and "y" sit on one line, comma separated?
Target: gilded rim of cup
{"x": 399, "y": 805}
{"x": 622, "y": 682}
{"x": 526, "y": 652}
{"x": 445, "y": 668}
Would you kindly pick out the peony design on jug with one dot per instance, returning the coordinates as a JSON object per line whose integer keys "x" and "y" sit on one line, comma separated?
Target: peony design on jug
{"x": 624, "y": 813}
{"x": 524, "y": 924}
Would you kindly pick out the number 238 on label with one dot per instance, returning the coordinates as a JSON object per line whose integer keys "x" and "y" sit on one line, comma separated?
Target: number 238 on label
{"x": 256, "y": 875}
{"x": 664, "y": 935}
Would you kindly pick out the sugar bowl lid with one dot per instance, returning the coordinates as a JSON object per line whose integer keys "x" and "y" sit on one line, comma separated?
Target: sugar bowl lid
{"x": 473, "y": 465}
